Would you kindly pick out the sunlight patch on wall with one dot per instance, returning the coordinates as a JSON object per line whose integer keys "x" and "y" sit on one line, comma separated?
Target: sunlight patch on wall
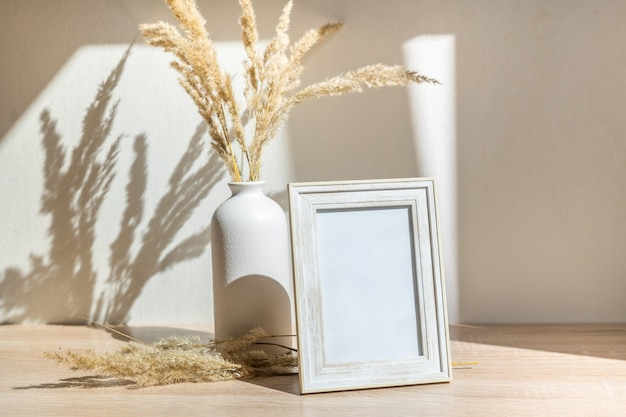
{"x": 434, "y": 127}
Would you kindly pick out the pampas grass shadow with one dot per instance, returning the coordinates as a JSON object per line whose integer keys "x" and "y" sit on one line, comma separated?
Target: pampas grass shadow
{"x": 87, "y": 382}
{"x": 60, "y": 286}
{"x": 190, "y": 183}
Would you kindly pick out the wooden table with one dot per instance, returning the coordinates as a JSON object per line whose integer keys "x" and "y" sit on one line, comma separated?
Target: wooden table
{"x": 529, "y": 370}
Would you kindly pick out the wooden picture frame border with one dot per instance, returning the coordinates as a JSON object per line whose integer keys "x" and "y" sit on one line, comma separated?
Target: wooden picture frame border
{"x": 369, "y": 284}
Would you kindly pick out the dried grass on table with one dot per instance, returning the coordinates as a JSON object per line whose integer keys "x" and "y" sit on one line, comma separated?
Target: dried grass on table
{"x": 180, "y": 359}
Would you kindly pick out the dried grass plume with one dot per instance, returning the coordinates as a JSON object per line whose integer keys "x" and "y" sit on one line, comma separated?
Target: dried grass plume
{"x": 272, "y": 80}
{"x": 180, "y": 359}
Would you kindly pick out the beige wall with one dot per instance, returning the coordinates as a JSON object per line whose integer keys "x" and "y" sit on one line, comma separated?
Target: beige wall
{"x": 527, "y": 137}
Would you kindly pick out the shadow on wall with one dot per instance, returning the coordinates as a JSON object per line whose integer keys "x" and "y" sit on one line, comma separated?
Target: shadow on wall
{"x": 62, "y": 285}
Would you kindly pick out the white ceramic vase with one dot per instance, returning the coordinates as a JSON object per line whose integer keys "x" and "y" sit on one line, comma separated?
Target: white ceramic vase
{"x": 251, "y": 265}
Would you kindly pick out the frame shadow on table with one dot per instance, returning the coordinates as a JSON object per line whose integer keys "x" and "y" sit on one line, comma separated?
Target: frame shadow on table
{"x": 592, "y": 340}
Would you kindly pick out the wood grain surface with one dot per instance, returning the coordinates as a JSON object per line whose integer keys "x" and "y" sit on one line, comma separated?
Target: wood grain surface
{"x": 520, "y": 370}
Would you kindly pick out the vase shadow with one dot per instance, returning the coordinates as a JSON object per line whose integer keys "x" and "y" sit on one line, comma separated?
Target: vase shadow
{"x": 261, "y": 302}
{"x": 153, "y": 334}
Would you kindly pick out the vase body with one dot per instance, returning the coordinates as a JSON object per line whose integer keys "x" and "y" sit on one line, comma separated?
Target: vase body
{"x": 251, "y": 265}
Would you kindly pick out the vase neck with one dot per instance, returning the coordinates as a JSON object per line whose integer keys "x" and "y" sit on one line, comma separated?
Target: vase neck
{"x": 252, "y": 187}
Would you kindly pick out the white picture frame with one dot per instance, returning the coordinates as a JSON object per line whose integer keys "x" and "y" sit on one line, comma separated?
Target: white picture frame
{"x": 369, "y": 284}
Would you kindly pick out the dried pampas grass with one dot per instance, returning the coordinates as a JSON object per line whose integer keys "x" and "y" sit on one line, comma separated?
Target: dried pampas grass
{"x": 181, "y": 359}
{"x": 272, "y": 78}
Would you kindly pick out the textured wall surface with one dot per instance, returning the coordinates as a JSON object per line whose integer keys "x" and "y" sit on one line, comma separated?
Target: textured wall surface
{"x": 526, "y": 137}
